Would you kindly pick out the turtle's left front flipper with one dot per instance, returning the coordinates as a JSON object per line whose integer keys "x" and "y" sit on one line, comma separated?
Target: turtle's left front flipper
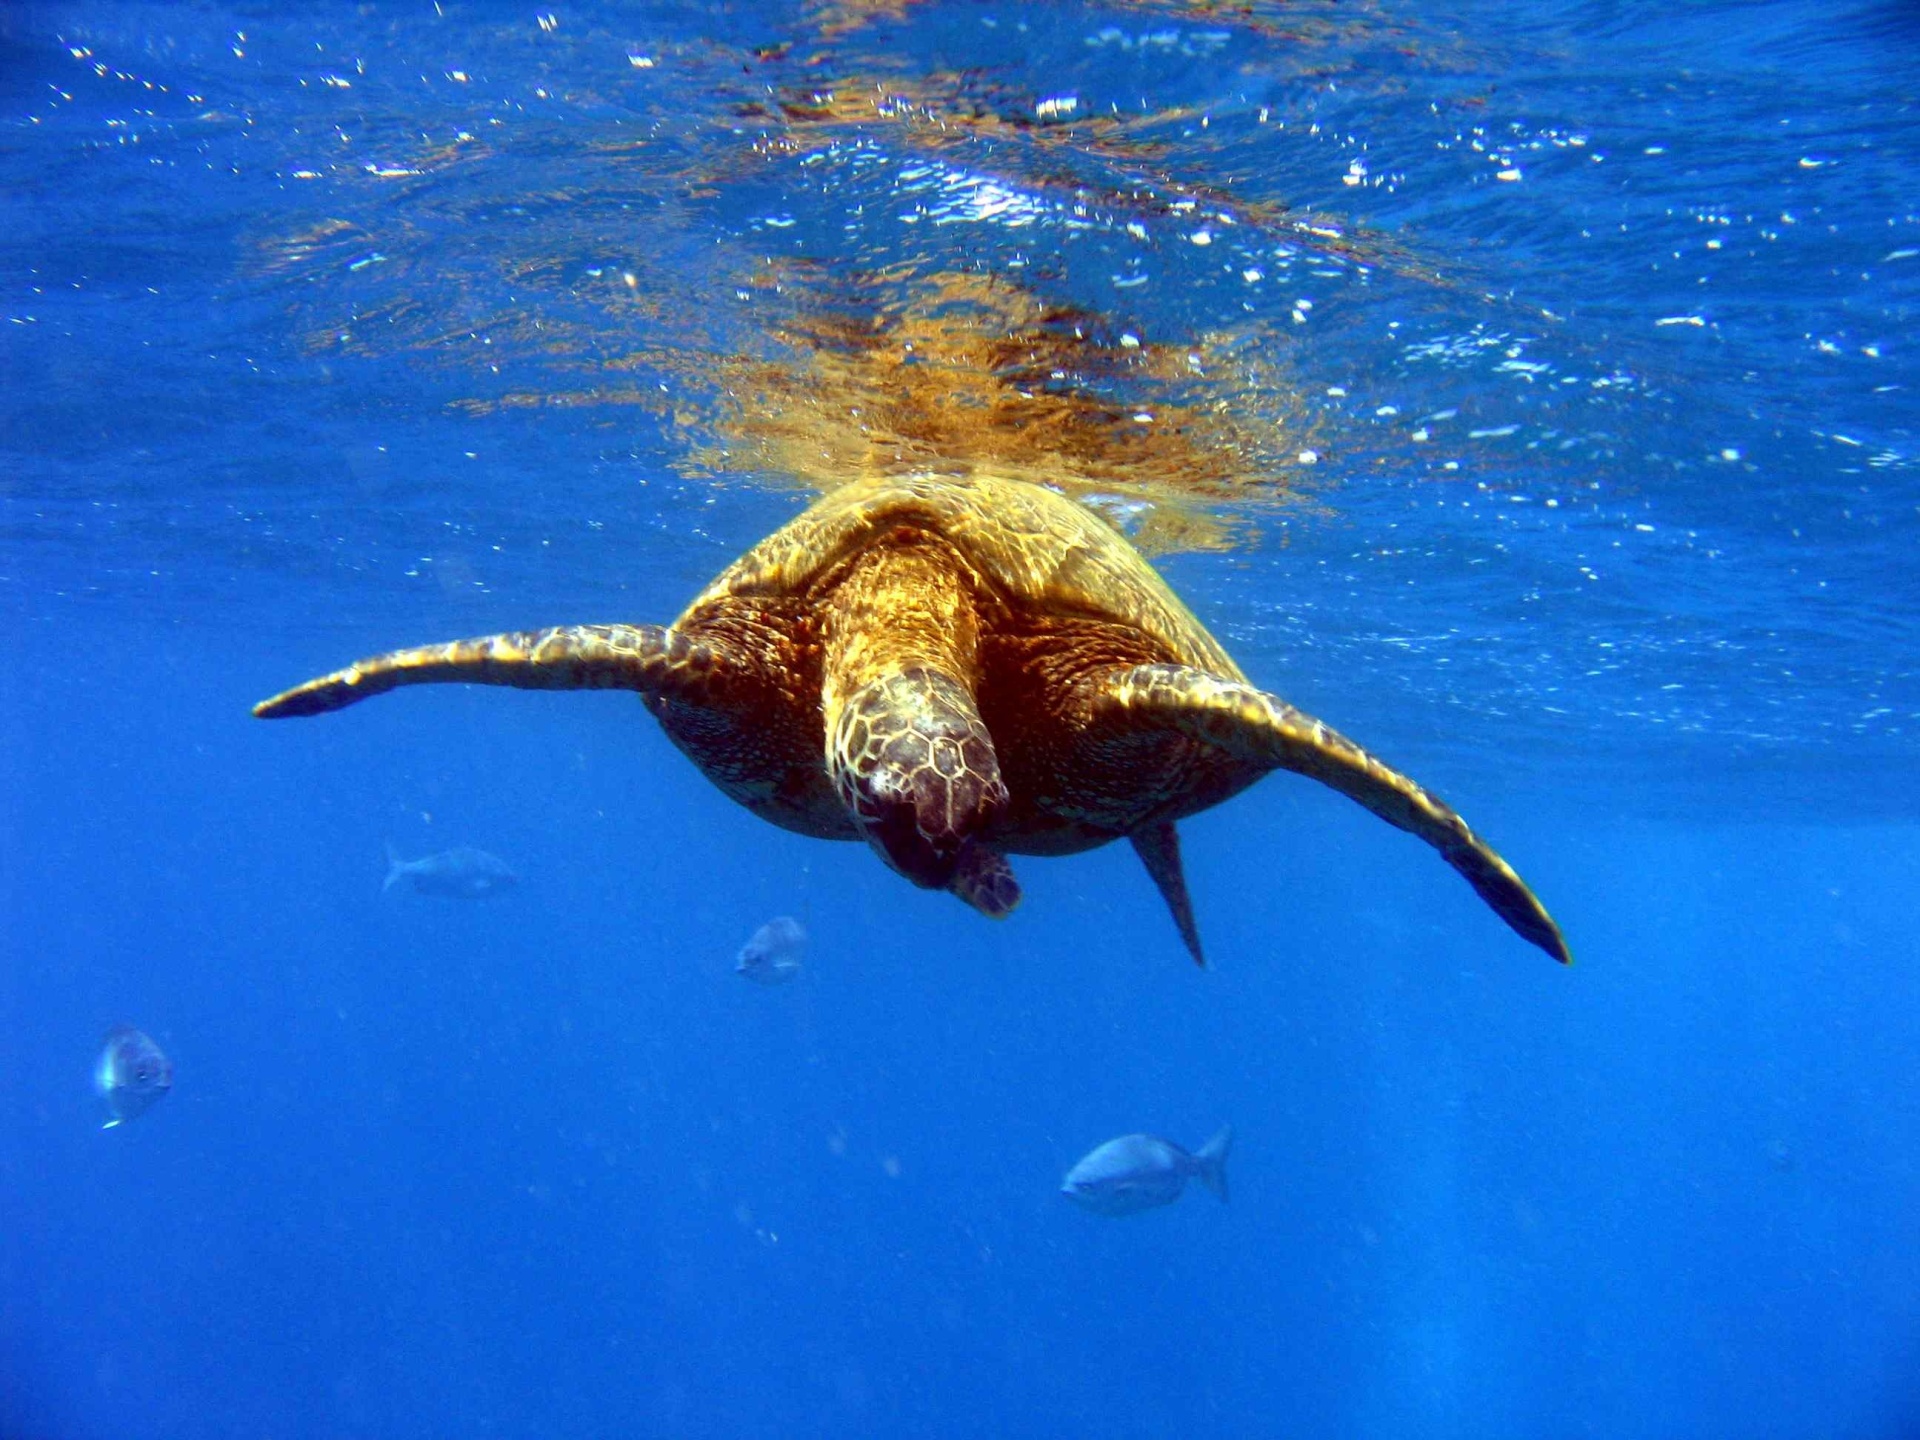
{"x": 648, "y": 658}
{"x": 1264, "y": 730}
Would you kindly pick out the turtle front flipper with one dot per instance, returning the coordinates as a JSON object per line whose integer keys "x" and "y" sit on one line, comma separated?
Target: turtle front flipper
{"x": 1262, "y": 729}
{"x": 647, "y": 658}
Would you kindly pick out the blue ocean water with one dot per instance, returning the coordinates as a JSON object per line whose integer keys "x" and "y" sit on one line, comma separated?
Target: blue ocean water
{"x": 1528, "y": 391}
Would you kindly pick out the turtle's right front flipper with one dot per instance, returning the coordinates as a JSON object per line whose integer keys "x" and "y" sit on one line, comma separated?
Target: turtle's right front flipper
{"x": 1264, "y": 730}
{"x": 648, "y": 658}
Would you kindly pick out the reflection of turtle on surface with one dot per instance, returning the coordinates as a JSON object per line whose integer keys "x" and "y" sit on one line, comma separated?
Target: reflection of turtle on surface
{"x": 954, "y": 671}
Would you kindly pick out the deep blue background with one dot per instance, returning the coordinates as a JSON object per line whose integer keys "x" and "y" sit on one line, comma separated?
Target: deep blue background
{"x": 543, "y": 1165}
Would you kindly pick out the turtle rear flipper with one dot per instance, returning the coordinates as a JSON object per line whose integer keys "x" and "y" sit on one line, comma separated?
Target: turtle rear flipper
{"x": 1158, "y": 847}
{"x": 1264, "y": 730}
{"x": 647, "y": 658}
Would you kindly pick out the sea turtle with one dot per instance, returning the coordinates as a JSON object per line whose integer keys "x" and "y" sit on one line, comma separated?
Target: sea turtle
{"x": 955, "y": 670}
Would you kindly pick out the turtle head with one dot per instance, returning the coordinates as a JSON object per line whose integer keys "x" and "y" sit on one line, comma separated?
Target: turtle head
{"x": 913, "y": 763}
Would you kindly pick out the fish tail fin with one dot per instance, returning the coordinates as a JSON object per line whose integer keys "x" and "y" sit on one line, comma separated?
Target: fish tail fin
{"x": 396, "y": 867}
{"x": 1212, "y": 1160}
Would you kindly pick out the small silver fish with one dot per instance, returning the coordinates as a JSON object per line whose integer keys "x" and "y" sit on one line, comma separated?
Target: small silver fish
{"x": 1139, "y": 1172}
{"x": 462, "y": 873}
{"x": 132, "y": 1074}
{"x": 772, "y": 956}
